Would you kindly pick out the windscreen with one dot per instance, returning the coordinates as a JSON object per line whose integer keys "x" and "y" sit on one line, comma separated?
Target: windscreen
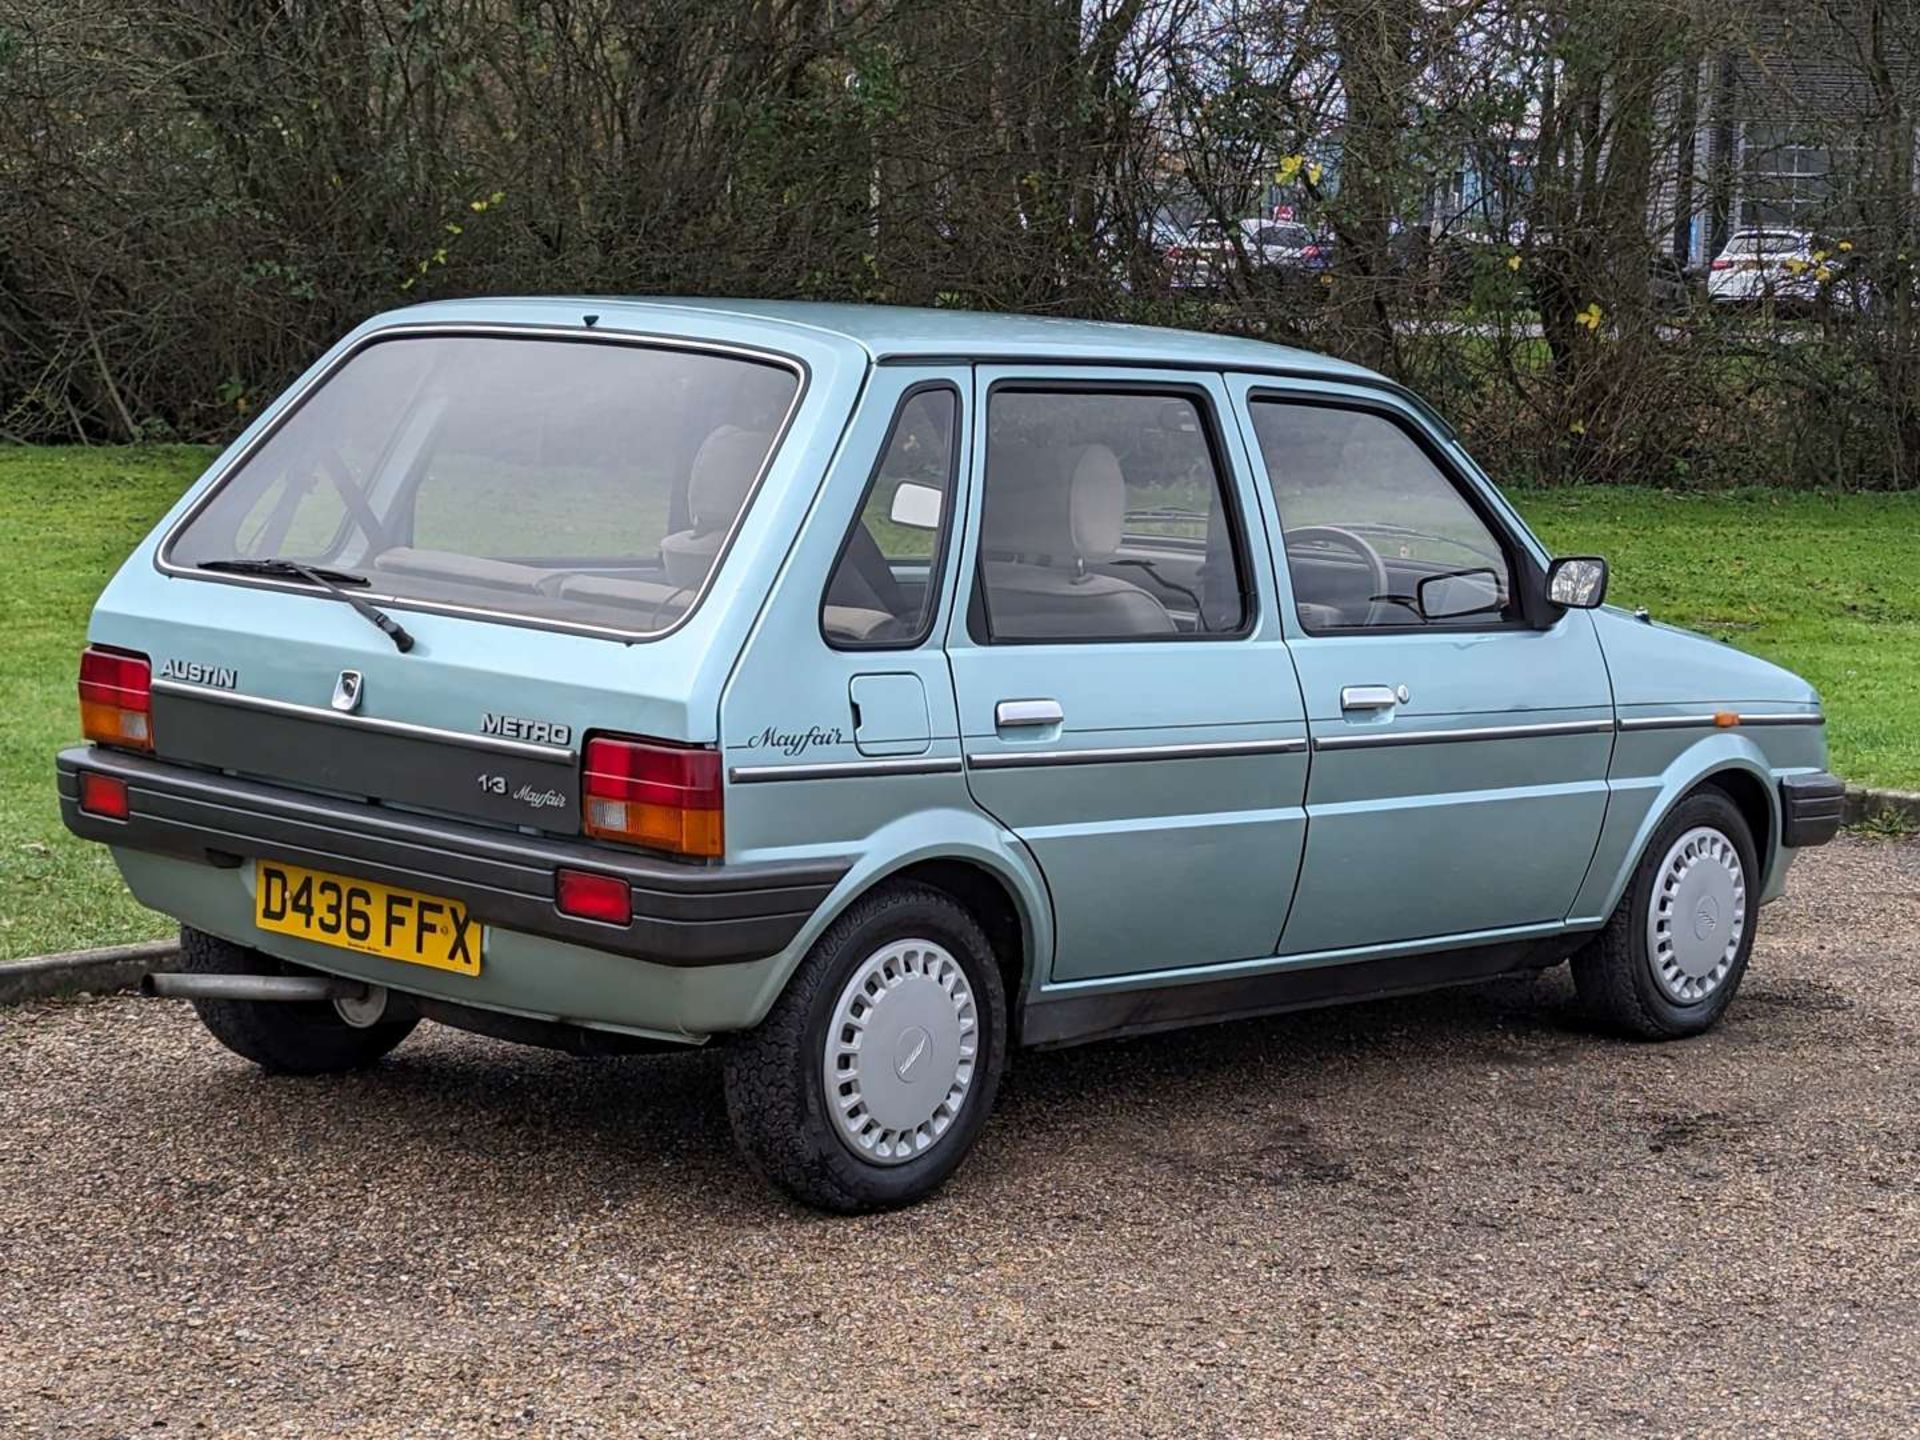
{"x": 1765, "y": 243}
{"x": 585, "y": 483}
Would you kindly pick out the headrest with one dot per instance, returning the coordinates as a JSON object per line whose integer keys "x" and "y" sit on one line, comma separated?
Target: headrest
{"x": 723, "y": 472}
{"x": 1057, "y": 502}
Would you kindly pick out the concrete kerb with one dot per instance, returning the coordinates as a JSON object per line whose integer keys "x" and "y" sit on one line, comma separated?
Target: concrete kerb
{"x": 81, "y": 972}
{"x": 1864, "y": 804}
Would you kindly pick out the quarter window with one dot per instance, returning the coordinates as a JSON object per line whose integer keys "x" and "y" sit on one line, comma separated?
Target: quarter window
{"x": 1376, "y": 535}
{"x": 1103, "y": 518}
{"x": 887, "y": 579}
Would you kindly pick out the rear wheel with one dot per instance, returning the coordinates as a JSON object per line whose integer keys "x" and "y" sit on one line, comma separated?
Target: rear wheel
{"x": 873, "y": 1074}
{"x": 286, "y": 1037}
{"x": 1673, "y": 955}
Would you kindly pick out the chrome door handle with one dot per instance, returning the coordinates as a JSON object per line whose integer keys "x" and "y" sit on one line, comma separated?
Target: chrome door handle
{"x": 1370, "y": 697}
{"x": 1013, "y": 714}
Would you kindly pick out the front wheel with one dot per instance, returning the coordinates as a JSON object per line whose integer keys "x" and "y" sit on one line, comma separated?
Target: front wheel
{"x": 874, "y": 1072}
{"x": 1673, "y": 954}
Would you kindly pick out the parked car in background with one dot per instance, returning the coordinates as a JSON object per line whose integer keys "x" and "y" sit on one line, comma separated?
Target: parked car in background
{"x": 1272, "y": 249}
{"x": 869, "y": 692}
{"x": 1789, "y": 267}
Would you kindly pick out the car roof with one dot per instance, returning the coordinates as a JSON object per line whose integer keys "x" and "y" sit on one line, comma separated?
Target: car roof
{"x": 900, "y": 333}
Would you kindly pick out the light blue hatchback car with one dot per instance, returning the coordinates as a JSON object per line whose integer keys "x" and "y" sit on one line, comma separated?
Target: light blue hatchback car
{"x": 874, "y": 691}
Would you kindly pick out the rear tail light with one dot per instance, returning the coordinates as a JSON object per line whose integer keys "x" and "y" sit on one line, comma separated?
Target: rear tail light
{"x": 116, "y": 697}
{"x": 103, "y": 795}
{"x": 587, "y": 896}
{"x": 1722, "y": 265}
{"x": 647, "y": 792}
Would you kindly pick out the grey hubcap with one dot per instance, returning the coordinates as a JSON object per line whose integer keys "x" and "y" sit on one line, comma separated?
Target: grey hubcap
{"x": 1698, "y": 915}
{"x": 900, "y": 1052}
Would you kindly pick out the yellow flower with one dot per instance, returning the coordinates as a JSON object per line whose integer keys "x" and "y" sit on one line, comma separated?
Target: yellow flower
{"x": 1513, "y": 262}
{"x": 1578, "y": 427}
{"x": 1591, "y": 317}
{"x": 1314, "y": 172}
{"x": 1819, "y": 256}
{"x": 1289, "y": 167}
{"x": 1846, "y": 247}
{"x": 1823, "y": 274}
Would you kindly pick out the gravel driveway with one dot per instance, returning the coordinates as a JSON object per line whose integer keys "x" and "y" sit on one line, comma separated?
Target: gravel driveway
{"x": 1457, "y": 1215}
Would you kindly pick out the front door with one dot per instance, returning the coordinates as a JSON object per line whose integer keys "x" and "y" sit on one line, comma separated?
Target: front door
{"x": 1126, "y": 703}
{"x": 1460, "y": 753}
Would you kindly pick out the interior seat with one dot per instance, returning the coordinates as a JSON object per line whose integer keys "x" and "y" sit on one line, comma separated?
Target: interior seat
{"x": 458, "y": 569}
{"x": 723, "y": 471}
{"x": 1051, "y": 512}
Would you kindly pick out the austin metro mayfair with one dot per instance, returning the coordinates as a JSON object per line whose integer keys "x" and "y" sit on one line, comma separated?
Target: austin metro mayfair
{"x": 870, "y": 692}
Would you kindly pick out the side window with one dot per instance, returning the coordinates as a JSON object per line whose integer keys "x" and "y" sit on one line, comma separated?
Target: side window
{"x": 1103, "y": 518}
{"x": 887, "y": 578}
{"x": 1377, "y": 536}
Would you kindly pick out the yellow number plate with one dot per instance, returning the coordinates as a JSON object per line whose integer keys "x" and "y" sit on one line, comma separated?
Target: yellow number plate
{"x": 360, "y": 915}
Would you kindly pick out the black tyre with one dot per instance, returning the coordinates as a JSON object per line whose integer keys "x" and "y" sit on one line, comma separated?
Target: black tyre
{"x": 1673, "y": 954}
{"x": 871, "y": 1077}
{"x": 288, "y": 1038}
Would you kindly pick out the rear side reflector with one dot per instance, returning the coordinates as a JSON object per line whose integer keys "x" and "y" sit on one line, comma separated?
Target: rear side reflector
{"x": 587, "y": 896}
{"x": 116, "y": 697}
{"x": 103, "y": 795}
{"x": 648, "y": 792}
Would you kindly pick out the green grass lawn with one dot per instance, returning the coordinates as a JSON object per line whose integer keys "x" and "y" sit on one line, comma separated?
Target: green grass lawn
{"x": 1823, "y": 584}
{"x": 67, "y": 519}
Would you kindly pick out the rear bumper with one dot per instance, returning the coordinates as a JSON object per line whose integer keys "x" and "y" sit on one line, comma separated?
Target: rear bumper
{"x": 683, "y": 915}
{"x": 1810, "y": 809}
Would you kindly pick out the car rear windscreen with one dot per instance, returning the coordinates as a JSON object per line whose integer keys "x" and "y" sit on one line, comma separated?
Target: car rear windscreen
{"x": 1767, "y": 243}
{"x": 587, "y": 483}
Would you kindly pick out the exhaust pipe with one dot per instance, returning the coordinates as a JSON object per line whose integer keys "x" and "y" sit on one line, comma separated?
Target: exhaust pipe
{"x": 181, "y": 985}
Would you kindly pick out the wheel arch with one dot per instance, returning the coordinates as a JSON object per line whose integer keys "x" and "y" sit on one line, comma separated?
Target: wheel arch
{"x": 985, "y": 869}
{"x": 1732, "y": 764}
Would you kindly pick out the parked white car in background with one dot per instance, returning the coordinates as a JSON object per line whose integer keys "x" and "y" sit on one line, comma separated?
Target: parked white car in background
{"x": 1781, "y": 266}
{"x": 1203, "y": 258}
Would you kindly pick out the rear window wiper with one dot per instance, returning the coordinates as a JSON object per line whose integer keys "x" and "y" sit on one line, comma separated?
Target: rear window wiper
{"x": 330, "y": 581}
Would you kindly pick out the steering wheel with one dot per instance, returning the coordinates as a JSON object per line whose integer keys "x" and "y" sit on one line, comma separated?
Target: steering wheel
{"x": 1378, "y": 582}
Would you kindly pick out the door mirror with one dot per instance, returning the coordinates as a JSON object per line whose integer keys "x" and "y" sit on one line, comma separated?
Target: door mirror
{"x": 916, "y": 506}
{"x": 1459, "y": 594}
{"x": 1578, "y": 582}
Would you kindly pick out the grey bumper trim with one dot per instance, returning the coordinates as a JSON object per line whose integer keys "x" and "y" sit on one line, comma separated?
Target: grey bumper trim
{"x": 1811, "y": 809}
{"x": 683, "y": 914}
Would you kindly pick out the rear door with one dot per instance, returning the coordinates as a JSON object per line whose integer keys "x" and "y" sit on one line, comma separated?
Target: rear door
{"x": 1459, "y": 754}
{"x": 1126, "y": 703}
